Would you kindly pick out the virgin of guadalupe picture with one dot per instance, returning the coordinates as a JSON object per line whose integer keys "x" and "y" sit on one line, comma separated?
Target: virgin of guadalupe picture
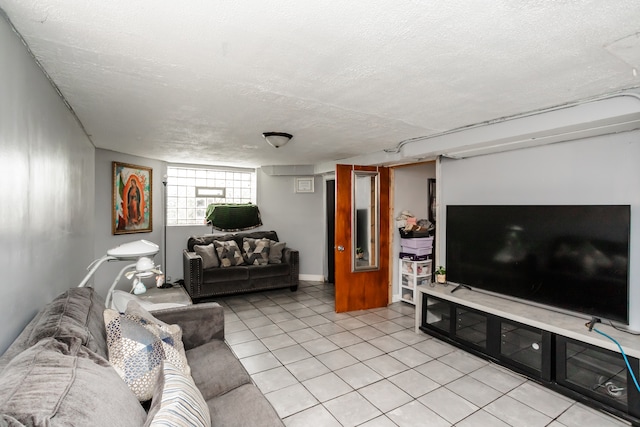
{"x": 131, "y": 199}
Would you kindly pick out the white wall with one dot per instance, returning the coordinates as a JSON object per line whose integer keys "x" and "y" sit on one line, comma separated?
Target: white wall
{"x": 411, "y": 192}
{"x": 600, "y": 170}
{"x": 104, "y": 239}
{"x": 46, "y": 214}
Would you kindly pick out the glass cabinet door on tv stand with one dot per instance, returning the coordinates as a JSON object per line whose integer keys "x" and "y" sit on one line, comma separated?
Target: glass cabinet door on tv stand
{"x": 412, "y": 274}
{"x": 520, "y": 347}
{"x": 598, "y": 373}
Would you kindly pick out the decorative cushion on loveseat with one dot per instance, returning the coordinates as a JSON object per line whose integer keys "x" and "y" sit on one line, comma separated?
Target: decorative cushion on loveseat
{"x": 51, "y": 384}
{"x": 275, "y": 252}
{"x": 237, "y": 237}
{"x": 229, "y": 253}
{"x": 138, "y": 344}
{"x": 208, "y": 255}
{"x": 256, "y": 251}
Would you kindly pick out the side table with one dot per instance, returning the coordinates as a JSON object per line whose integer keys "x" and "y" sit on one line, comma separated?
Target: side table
{"x": 154, "y": 299}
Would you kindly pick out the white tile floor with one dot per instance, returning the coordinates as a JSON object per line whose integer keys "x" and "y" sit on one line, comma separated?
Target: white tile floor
{"x": 369, "y": 368}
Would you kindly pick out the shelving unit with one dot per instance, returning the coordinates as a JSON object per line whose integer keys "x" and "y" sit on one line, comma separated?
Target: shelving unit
{"x": 412, "y": 274}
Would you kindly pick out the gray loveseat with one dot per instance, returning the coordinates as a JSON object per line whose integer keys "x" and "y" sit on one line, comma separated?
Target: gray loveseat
{"x": 202, "y": 283}
{"x": 56, "y": 373}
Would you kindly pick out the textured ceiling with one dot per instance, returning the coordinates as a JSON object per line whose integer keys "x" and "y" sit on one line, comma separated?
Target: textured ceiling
{"x": 199, "y": 81}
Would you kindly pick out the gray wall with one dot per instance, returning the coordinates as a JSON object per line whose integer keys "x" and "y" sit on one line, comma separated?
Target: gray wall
{"x": 176, "y": 242}
{"x": 297, "y": 218}
{"x": 600, "y": 170}
{"x": 46, "y": 215}
{"x": 104, "y": 239}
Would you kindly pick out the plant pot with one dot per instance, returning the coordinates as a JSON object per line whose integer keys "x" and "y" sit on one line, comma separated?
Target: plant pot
{"x": 441, "y": 278}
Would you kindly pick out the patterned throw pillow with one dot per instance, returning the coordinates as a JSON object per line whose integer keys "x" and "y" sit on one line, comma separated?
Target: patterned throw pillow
{"x": 229, "y": 253}
{"x": 208, "y": 255}
{"x": 256, "y": 251}
{"x": 177, "y": 401}
{"x": 275, "y": 253}
{"x": 138, "y": 343}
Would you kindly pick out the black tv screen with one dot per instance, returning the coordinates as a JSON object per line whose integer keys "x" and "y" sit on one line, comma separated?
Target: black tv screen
{"x": 571, "y": 257}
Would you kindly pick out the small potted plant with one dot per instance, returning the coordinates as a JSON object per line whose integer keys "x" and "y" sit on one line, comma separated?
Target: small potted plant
{"x": 359, "y": 253}
{"x": 441, "y": 274}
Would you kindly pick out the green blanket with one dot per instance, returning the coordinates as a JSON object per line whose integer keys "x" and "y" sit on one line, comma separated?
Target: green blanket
{"x": 233, "y": 216}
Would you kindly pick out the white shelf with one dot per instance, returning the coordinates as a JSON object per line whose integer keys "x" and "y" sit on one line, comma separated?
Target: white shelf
{"x": 412, "y": 275}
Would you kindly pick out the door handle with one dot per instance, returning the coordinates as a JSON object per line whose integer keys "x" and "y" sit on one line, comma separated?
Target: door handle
{"x": 341, "y": 248}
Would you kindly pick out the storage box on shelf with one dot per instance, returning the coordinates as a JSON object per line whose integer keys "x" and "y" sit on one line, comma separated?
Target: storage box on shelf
{"x": 412, "y": 274}
{"x": 417, "y": 246}
{"x": 416, "y": 249}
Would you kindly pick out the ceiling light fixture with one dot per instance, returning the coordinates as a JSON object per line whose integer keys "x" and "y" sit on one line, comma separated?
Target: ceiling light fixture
{"x": 277, "y": 139}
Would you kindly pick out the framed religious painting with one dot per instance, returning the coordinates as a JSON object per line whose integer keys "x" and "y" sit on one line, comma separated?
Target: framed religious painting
{"x": 132, "y": 192}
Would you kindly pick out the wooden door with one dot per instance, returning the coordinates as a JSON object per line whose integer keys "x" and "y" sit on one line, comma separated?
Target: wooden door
{"x": 360, "y": 290}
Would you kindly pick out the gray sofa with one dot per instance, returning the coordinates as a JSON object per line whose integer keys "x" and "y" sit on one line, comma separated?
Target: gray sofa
{"x": 202, "y": 283}
{"x": 56, "y": 373}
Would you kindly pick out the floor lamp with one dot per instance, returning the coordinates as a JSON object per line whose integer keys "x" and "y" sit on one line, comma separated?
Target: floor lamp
{"x": 165, "y": 283}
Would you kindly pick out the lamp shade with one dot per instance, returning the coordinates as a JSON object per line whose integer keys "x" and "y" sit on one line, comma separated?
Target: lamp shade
{"x": 134, "y": 250}
{"x": 277, "y": 139}
{"x": 145, "y": 267}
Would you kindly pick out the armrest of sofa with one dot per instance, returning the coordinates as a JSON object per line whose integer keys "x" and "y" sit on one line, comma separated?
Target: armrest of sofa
{"x": 192, "y": 270}
{"x": 292, "y": 257}
{"x": 200, "y": 323}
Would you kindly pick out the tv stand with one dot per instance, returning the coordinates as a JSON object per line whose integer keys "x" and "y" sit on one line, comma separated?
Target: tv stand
{"x": 558, "y": 350}
{"x": 460, "y": 287}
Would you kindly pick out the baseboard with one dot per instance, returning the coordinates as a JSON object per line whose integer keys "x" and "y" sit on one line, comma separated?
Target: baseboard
{"x": 395, "y": 297}
{"x": 312, "y": 277}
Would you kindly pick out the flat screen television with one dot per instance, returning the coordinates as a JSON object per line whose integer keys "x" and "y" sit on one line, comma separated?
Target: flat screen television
{"x": 575, "y": 258}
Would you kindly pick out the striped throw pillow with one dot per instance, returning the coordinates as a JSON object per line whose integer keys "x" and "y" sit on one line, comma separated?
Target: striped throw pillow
{"x": 177, "y": 401}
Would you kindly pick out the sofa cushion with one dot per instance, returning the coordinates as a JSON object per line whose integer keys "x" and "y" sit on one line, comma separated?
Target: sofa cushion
{"x": 74, "y": 314}
{"x": 215, "y": 369}
{"x": 229, "y": 253}
{"x": 177, "y": 401}
{"x": 138, "y": 343}
{"x": 218, "y": 275}
{"x": 270, "y": 270}
{"x": 256, "y": 251}
{"x": 233, "y": 409}
{"x": 275, "y": 252}
{"x": 51, "y": 384}
{"x": 208, "y": 255}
